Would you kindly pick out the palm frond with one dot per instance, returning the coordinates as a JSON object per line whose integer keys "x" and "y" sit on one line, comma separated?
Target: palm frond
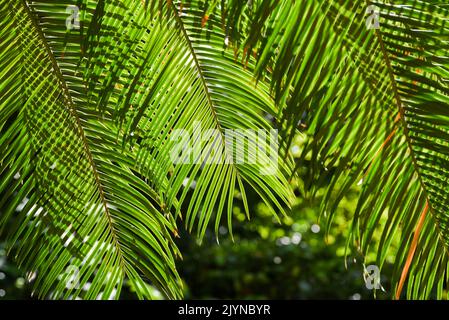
{"x": 374, "y": 103}
{"x": 186, "y": 80}
{"x": 83, "y": 205}
{"x": 372, "y": 100}
{"x": 87, "y": 145}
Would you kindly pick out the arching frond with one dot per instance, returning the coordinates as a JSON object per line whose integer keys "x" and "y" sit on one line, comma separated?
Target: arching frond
{"x": 94, "y": 97}
{"x": 375, "y": 109}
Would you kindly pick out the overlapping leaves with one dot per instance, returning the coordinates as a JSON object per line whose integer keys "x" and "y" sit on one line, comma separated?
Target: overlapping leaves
{"x": 88, "y": 115}
{"x": 88, "y": 143}
{"x": 374, "y": 103}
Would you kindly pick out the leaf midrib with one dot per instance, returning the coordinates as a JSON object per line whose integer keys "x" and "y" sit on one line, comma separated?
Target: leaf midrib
{"x": 209, "y": 99}
{"x": 57, "y": 72}
{"x": 400, "y": 107}
{"x": 201, "y": 76}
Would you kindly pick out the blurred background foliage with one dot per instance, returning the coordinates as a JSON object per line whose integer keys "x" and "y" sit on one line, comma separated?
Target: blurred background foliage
{"x": 267, "y": 260}
{"x": 299, "y": 258}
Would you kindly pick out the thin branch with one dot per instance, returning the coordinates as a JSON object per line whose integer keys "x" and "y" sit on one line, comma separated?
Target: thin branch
{"x": 411, "y": 251}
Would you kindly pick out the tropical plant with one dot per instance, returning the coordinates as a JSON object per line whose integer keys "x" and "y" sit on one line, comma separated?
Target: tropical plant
{"x": 94, "y": 92}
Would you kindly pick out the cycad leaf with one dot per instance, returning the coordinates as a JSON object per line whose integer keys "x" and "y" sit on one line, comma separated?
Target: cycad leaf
{"x": 400, "y": 153}
{"x": 88, "y": 221}
{"x": 374, "y": 103}
{"x": 185, "y": 86}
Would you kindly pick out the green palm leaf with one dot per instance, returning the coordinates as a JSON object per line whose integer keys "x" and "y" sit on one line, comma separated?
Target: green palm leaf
{"x": 87, "y": 144}
{"x": 197, "y": 93}
{"x": 375, "y": 109}
{"x": 83, "y": 204}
